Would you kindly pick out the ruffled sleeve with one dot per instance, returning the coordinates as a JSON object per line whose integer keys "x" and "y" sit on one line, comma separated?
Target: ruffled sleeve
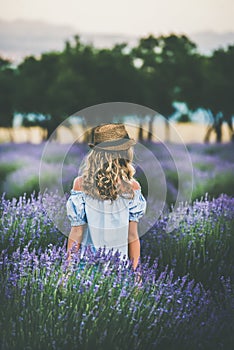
{"x": 137, "y": 206}
{"x": 76, "y": 208}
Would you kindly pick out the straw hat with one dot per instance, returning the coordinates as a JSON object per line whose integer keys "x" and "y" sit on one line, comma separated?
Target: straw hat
{"x": 112, "y": 137}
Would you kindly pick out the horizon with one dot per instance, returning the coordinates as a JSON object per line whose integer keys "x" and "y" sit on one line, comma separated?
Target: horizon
{"x": 208, "y": 24}
{"x": 131, "y": 18}
{"x": 20, "y": 38}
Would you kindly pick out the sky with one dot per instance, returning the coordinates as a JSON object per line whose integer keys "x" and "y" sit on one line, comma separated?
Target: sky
{"x": 132, "y": 17}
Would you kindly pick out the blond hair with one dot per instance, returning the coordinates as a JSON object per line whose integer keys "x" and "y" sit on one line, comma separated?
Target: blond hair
{"x": 108, "y": 174}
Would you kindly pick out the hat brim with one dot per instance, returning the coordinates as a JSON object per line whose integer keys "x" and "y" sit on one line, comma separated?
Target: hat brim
{"x": 120, "y": 145}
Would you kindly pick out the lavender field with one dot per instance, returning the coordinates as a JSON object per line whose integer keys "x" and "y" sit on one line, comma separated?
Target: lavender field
{"x": 213, "y": 167}
{"x": 185, "y": 297}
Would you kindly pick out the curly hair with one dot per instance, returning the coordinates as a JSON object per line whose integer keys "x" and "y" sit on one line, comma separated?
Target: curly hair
{"x": 108, "y": 174}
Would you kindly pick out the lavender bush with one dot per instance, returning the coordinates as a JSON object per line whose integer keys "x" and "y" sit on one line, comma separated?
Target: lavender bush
{"x": 183, "y": 300}
{"x": 201, "y": 244}
{"x": 20, "y": 164}
{"x": 213, "y": 167}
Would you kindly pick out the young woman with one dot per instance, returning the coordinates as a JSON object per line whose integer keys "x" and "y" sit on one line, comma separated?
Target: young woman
{"x": 106, "y": 203}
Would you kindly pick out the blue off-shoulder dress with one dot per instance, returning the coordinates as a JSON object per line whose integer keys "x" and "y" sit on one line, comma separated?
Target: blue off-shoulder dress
{"x": 106, "y": 223}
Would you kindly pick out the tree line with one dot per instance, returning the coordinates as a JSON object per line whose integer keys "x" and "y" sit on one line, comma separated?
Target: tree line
{"x": 155, "y": 73}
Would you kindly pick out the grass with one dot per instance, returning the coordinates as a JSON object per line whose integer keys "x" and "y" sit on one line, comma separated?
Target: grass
{"x": 204, "y": 166}
{"x": 220, "y": 183}
{"x": 172, "y": 176}
{"x": 8, "y": 168}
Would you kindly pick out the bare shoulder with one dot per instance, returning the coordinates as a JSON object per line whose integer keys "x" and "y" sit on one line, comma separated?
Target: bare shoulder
{"x": 77, "y": 183}
{"x": 135, "y": 184}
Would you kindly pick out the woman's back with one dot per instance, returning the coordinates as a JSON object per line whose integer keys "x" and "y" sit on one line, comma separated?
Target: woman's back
{"x": 107, "y": 221}
{"x": 106, "y": 199}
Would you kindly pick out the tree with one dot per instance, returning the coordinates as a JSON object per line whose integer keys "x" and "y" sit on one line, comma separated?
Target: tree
{"x": 210, "y": 87}
{"x": 34, "y": 85}
{"x": 223, "y": 64}
{"x": 7, "y": 94}
{"x": 165, "y": 63}
{"x": 155, "y": 73}
{"x": 111, "y": 77}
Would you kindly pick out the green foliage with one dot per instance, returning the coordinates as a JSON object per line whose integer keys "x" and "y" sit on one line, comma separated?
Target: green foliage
{"x": 223, "y": 151}
{"x": 184, "y": 118}
{"x": 8, "y": 92}
{"x": 202, "y": 241}
{"x": 97, "y": 305}
{"x": 7, "y": 168}
{"x": 204, "y": 166}
{"x": 60, "y": 83}
{"x": 212, "y": 150}
{"x": 18, "y": 189}
{"x": 27, "y": 183}
{"x": 221, "y": 183}
{"x": 172, "y": 176}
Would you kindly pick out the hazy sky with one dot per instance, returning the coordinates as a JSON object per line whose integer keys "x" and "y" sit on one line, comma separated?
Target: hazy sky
{"x": 138, "y": 17}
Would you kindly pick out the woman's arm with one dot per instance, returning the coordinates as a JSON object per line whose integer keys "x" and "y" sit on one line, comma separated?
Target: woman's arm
{"x": 76, "y": 232}
{"x": 75, "y": 235}
{"x": 133, "y": 243}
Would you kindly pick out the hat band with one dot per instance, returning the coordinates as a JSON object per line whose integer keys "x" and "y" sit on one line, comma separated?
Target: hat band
{"x": 112, "y": 143}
